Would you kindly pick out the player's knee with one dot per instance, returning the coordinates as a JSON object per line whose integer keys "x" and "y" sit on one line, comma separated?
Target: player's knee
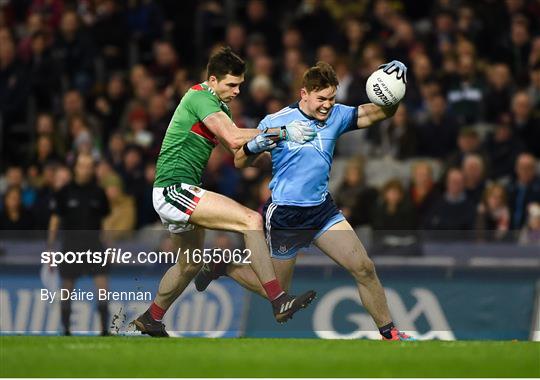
{"x": 363, "y": 269}
{"x": 190, "y": 269}
{"x": 252, "y": 221}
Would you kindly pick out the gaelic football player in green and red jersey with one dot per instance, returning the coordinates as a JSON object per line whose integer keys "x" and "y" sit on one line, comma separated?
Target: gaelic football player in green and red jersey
{"x": 201, "y": 121}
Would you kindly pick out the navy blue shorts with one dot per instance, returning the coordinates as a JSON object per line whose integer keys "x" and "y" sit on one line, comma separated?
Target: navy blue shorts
{"x": 289, "y": 228}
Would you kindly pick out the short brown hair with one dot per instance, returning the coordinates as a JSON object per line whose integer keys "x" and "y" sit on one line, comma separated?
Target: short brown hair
{"x": 319, "y": 77}
{"x": 224, "y": 62}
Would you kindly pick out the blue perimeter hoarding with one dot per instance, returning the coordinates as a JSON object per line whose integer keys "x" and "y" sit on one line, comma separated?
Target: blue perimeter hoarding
{"x": 218, "y": 312}
{"x": 431, "y": 303}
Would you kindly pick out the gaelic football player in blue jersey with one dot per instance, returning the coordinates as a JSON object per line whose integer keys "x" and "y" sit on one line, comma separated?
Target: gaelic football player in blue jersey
{"x": 301, "y": 211}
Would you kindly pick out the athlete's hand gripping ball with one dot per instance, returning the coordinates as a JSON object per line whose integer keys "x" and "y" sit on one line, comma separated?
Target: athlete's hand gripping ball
{"x": 299, "y": 131}
{"x": 386, "y": 86}
{"x": 398, "y": 67}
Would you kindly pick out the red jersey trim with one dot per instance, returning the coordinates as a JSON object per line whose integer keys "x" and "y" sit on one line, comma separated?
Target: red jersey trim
{"x": 201, "y": 130}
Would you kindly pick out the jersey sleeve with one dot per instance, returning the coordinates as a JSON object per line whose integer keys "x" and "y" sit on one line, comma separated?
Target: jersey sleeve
{"x": 202, "y": 104}
{"x": 349, "y": 118}
{"x": 264, "y": 123}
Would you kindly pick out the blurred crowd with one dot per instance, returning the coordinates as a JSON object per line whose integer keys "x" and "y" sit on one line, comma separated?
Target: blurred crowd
{"x": 103, "y": 77}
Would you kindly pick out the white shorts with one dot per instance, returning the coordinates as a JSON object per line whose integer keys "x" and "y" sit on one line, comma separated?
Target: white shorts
{"x": 175, "y": 204}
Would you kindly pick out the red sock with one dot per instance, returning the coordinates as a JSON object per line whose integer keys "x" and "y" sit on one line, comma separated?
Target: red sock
{"x": 273, "y": 289}
{"x": 156, "y": 312}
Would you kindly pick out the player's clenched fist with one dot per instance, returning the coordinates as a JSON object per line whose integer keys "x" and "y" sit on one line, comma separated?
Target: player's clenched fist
{"x": 261, "y": 143}
{"x": 299, "y": 131}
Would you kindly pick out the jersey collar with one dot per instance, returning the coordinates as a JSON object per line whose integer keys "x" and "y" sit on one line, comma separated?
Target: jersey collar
{"x": 211, "y": 90}
{"x": 297, "y": 106}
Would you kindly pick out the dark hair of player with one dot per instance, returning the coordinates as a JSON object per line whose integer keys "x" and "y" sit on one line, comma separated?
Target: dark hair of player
{"x": 224, "y": 62}
{"x": 319, "y": 77}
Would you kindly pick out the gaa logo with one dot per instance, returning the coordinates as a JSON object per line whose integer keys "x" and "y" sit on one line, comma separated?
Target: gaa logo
{"x": 329, "y": 321}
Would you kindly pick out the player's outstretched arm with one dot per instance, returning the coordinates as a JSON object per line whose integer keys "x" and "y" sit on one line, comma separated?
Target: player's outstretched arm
{"x": 369, "y": 114}
{"x": 235, "y": 138}
{"x": 227, "y": 132}
{"x": 251, "y": 152}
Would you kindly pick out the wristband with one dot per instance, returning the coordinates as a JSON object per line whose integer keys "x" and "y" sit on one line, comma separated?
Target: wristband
{"x": 246, "y": 150}
{"x": 283, "y": 133}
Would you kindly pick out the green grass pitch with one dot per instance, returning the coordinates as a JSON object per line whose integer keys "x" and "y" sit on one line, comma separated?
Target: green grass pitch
{"x": 24, "y": 356}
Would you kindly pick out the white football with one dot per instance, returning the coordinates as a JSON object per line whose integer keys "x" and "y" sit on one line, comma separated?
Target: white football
{"x": 385, "y": 89}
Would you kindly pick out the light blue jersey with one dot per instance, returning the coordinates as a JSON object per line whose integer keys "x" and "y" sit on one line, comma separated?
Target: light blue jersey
{"x": 301, "y": 171}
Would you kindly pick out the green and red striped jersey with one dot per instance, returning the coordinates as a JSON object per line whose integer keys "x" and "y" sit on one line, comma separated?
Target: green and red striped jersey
{"x": 187, "y": 144}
